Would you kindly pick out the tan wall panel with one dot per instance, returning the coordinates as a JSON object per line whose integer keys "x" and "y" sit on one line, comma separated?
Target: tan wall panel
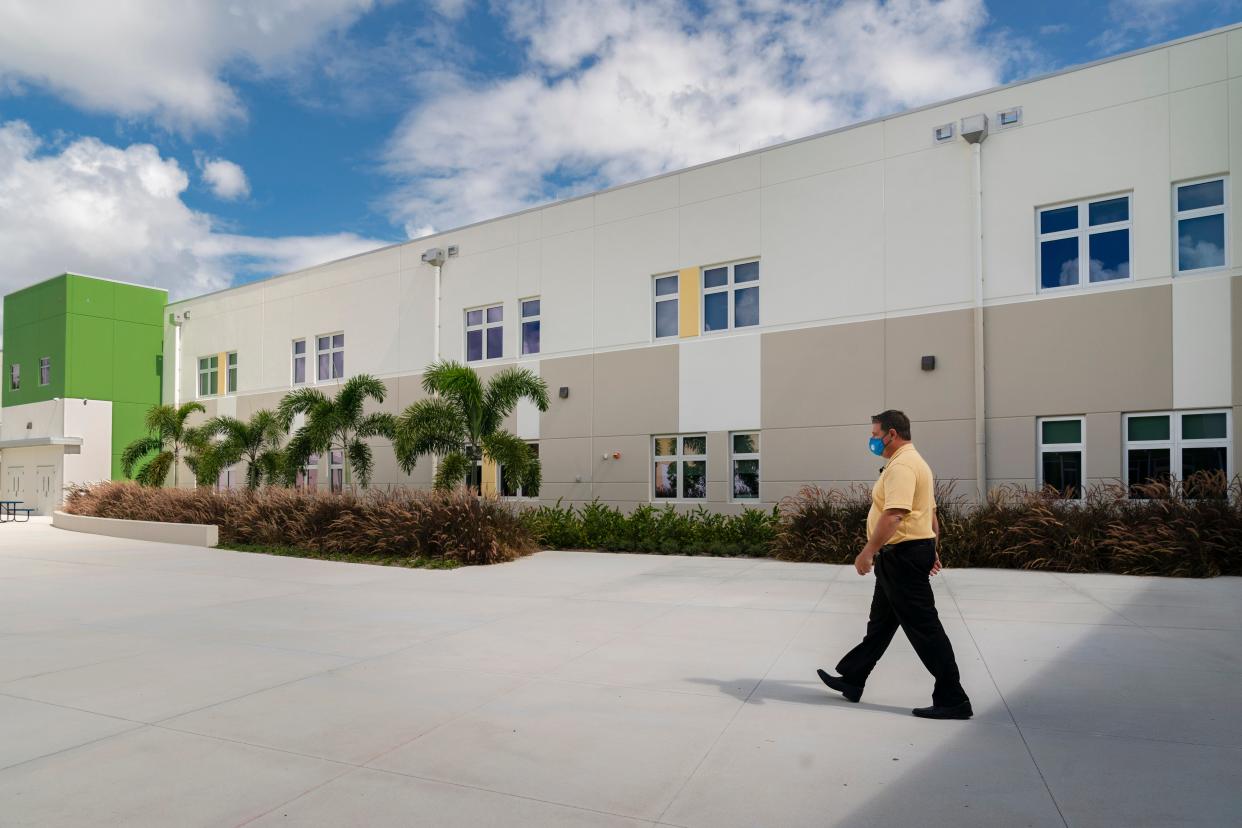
{"x": 636, "y": 391}
{"x": 1098, "y": 351}
{"x": 1104, "y": 445}
{"x": 248, "y": 404}
{"x": 718, "y": 457}
{"x": 570, "y": 417}
{"x": 565, "y": 459}
{"x": 946, "y": 393}
{"x": 948, "y": 446}
{"x": 1011, "y": 448}
{"x": 631, "y": 468}
{"x": 1236, "y": 332}
{"x": 800, "y": 455}
{"x": 617, "y": 492}
{"x": 830, "y": 375}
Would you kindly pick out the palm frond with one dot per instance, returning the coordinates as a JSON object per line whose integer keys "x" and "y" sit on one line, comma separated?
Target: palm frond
{"x": 520, "y": 463}
{"x": 137, "y": 450}
{"x": 430, "y": 426}
{"x": 505, "y": 389}
{"x": 452, "y": 470}
{"x": 460, "y": 385}
{"x": 155, "y": 471}
{"x": 356, "y": 391}
{"x": 301, "y": 401}
{"x": 379, "y": 424}
{"x": 360, "y": 462}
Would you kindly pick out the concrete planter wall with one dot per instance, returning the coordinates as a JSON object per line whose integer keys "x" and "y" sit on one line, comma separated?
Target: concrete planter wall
{"x": 187, "y": 534}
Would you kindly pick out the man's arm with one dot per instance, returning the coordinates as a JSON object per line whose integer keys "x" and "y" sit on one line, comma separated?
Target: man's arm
{"x": 884, "y": 530}
{"x": 936, "y": 567}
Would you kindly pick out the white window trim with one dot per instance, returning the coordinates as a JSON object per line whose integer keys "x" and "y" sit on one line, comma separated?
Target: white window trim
{"x": 332, "y": 349}
{"x": 729, "y": 287}
{"x": 1081, "y": 447}
{"x": 234, "y": 369}
{"x": 679, "y": 457}
{"x": 483, "y": 326}
{"x": 198, "y": 385}
{"x": 1175, "y": 443}
{"x": 735, "y": 456}
{"x": 1082, "y": 232}
{"x": 293, "y": 361}
{"x": 522, "y": 320}
{"x": 45, "y": 362}
{"x": 656, "y": 299}
{"x": 333, "y": 466}
{"x": 1179, "y": 216}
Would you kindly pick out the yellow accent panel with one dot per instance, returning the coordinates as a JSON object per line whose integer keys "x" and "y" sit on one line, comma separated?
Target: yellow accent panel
{"x": 688, "y": 301}
{"x": 489, "y": 478}
{"x": 222, "y": 373}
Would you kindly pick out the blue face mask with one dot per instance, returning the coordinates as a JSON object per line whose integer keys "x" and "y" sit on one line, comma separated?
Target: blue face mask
{"x": 876, "y": 444}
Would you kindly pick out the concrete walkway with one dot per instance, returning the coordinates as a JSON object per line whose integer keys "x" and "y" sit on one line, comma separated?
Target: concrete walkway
{"x": 145, "y": 684}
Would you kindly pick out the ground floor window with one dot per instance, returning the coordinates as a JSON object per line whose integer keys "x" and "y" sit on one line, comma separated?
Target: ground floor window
{"x": 1062, "y": 452}
{"x": 228, "y": 479}
{"x": 680, "y": 467}
{"x": 308, "y": 475}
{"x": 509, "y": 488}
{"x": 1177, "y": 445}
{"x": 745, "y": 464}
{"x": 336, "y": 470}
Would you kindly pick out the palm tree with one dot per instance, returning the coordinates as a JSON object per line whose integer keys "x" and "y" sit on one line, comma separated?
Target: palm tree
{"x": 168, "y": 437}
{"x": 337, "y": 424}
{"x": 203, "y": 457}
{"x": 257, "y": 441}
{"x": 461, "y": 423}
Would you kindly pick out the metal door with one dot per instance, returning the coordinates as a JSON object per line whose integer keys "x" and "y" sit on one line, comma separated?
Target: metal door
{"x": 47, "y": 489}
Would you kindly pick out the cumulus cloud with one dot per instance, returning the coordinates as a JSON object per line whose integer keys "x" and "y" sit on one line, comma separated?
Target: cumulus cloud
{"x": 153, "y": 58}
{"x": 616, "y": 90}
{"x": 226, "y": 179}
{"x": 1134, "y": 23}
{"x": 117, "y": 212}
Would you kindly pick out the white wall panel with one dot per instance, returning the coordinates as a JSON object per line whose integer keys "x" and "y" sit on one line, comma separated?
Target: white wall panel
{"x": 1204, "y": 60}
{"x": 720, "y": 179}
{"x": 720, "y": 230}
{"x": 1202, "y": 342}
{"x": 718, "y": 383}
{"x": 1199, "y": 131}
{"x": 847, "y": 148}
{"x": 637, "y": 199}
{"x": 93, "y": 423}
{"x": 627, "y": 254}
{"x": 567, "y": 291}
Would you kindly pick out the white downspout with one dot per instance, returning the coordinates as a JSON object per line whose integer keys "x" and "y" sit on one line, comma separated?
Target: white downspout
{"x": 975, "y": 130}
{"x": 176, "y": 323}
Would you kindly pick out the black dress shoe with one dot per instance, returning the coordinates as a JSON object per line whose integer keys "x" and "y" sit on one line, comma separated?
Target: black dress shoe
{"x": 956, "y": 711}
{"x": 850, "y": 691}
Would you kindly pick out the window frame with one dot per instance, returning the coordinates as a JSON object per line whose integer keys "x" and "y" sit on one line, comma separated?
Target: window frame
{"x": 294, "y": 356}
{"x": 330, "y": 351}
{"x": 523, "y": 321}
{"x": 484, "y": 326}
{"x": 679, "y": 457}
{"x": 210, "y": 371}
{"x": 303, "y": 477}
{"x": 730, "y": 287}
{"x": 230, "y": 372}
{"x": 45, "y": 371}
{"x": 1083, "y": 233}
{"x": 1200, "y": 212}
{"x": 1176, "y": 442}
{"x": 333, "y": 468}
{"x": 1042, "y": 448}
{"x": 657, "y": 299}
{"x": 734, "y": 456}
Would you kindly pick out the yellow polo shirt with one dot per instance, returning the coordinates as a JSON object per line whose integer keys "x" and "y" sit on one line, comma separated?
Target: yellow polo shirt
{"x": 905, "y": 483}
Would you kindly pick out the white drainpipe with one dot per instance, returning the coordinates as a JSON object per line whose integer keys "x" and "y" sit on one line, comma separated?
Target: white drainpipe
{"x": 975, "y": 130}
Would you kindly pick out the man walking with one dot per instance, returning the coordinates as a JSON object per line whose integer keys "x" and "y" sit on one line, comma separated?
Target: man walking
{"x": 902, "y": 544}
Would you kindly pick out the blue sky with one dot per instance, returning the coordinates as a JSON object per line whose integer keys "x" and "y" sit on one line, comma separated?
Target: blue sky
{"x": 198, "y": 144}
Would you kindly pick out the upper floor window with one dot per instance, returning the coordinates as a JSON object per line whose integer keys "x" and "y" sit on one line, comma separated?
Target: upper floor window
{"x": 15, "y": 376}
{"x": 730, "y": 296}
{"x": 330, "y": 349}
{"x": 45, "y": 371}
{"x": 666, "y": 313}
{"x": 230, "y": 386}
{"x": 530, "y": 325}
{"x": 485, "y": 333}
{"x": 299, "y": 361}
{"x": 1201, "y": 224}
{"x": 1061, "y": 453}
{"x": 680, "y": 467}
{"x": 208, "y": 375}
{"x": 1175, "y": 445}
{"x": 745, "y": 450}
{"x": 1084, "y": 243}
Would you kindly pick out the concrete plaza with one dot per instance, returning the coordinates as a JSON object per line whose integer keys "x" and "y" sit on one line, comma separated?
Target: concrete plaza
{"x": 155, "y": 685}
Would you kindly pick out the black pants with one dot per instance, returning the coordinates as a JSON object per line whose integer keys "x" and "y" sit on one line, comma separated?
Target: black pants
{"x": 903, "y": 598}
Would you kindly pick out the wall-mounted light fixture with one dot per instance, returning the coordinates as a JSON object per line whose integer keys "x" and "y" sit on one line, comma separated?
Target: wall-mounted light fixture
{"x": 929, "y": 363}
{"x": 564, "y": 392}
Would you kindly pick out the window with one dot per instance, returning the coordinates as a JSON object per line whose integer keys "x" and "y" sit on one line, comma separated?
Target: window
{"x": 1176, "y": 445}
{"x": 1201, "y": 225}
{"x": 485, "y": 333}
{"x": 680, "y": 467}
{"x": 1084, "y": 243}
{"x": 730, "y": 296}
{"x": 336, "y": 471}
{"x": 208, "y": 375}
{"x": 231, "y": 373}
{"x": 45, "y": 371}
{"x": 299, "y": 361}
{"x": 509, "y": 488}
{"x": 666, "y": 313}
{"x": 308, "y": 475}
{"x": 943, "y": 133}
{"x": 1061, "y": 456}
{"x": 745, "y": 465}
{"x": 15, "y": 376}
{"x": 228, "y": 478}
{"x": 330, "y": 349}
{"x": 530, "y": 325}
{"x": 1009, "y": 117}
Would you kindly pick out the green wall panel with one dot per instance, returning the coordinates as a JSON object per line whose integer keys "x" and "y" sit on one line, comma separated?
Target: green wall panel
{"x": 140, "y": 304}
{"x": 35, "y": 303}
{"x": 26, "y": 345}
{"x": 91, "y": 297}
{"x": 127, "y": 426}
{"x": 136, "y": 367}
{"x": 90, "y": 357}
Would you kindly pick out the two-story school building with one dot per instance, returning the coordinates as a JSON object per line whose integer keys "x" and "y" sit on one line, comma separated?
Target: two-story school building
{"x": 1045, "y": 276}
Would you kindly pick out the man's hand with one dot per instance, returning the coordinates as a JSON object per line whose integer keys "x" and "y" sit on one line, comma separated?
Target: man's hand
{"x": 936, "y": 567}
{"x": 864, "y": 561}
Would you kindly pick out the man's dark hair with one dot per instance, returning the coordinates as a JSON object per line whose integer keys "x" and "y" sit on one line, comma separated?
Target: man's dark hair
{"x": 894, "y": 419}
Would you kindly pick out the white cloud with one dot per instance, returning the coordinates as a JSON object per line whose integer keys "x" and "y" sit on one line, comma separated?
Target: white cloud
{"x": 1139, "y": 22}
{"x": 616, "y": 90}
{"x": 226, "y": 179}
{"x": 89, "y": 207}
{"x": 154, "y": 58}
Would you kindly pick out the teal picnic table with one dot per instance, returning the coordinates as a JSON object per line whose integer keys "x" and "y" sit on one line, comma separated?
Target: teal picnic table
{"x": 9, "y": 510}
